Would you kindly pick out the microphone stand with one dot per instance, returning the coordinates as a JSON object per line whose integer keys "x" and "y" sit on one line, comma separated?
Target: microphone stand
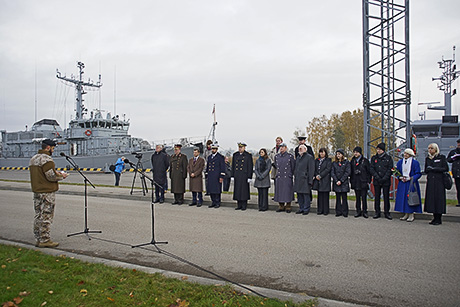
{"x": 153, "y": 241}
{"x": 86, "y": 231}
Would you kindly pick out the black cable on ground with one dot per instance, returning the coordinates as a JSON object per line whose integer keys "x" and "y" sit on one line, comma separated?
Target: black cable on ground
{"x": 178, "y": 258}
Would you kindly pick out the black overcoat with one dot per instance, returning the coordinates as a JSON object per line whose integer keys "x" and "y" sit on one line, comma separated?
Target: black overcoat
{"x": 215, "y": 169}
{"x": 360, "y": 175}
{"x": 455, "y": 162}
{"x": 178, "y": 172}
{"x": 381, "y": 169}
{"x": 340, "y": 172}
{"x": 242, "y": 166}
{"x": 324, "y": 170}
{"x": 435, "y": 194}
{"x": 160, "y": 165}
{"x": 303, "y": 173}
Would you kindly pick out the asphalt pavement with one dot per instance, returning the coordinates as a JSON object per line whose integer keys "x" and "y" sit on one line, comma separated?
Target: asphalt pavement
{"x": 356, "y": 260}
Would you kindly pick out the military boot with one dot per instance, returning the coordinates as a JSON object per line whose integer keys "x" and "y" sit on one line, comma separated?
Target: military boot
{"x": 49, "y": 243}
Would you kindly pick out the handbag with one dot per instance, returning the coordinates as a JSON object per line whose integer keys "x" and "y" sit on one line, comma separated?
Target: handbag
{"x": 447, "y": 180}
{"x": 413, "y": 199}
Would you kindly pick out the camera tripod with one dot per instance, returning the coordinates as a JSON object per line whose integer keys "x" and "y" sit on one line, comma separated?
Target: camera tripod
{"x": 139, "y": 169}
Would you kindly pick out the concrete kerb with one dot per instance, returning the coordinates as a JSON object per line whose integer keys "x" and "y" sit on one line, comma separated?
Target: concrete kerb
{"x": 281, "y": 295}
{"x": 123, "y": 193}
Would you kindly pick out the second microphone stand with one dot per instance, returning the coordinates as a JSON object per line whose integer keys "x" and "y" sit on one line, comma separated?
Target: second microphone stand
{"x": 152, "y": 205}
{"x": 86, "y": 231}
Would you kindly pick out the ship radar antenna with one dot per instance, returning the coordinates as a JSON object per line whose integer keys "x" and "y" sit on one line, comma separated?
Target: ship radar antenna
{"x": 449, "y": 75}
{"x": 79, "y": 86}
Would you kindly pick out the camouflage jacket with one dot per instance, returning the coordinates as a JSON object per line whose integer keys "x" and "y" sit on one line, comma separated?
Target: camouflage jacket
{"x": 43, "y": 175}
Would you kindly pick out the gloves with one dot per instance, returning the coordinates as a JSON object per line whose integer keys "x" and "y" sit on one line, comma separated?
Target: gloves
{"x": 249, "y": 180}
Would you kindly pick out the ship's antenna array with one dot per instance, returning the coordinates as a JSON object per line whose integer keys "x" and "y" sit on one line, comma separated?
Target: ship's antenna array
{"x": 449, "y": 75}
{"x": 79, "y": 85}
{"x": 212, "y": 133}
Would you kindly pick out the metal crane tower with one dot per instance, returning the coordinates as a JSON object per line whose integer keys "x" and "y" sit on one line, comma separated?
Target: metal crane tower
{"x": 386, "y": 74}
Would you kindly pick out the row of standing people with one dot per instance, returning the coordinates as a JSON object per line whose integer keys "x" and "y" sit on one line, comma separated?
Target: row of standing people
{"x": 301, "y": 173}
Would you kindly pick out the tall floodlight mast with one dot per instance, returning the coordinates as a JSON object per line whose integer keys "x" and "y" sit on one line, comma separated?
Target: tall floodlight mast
{"x": 386, "y": 74}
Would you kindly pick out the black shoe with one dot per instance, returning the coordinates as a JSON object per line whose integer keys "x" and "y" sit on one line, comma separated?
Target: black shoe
{"x": 156, "y": 201}
{"x": 288, "y": 211}
{"x": 238, "y": 208}
{"x": 345, "y": 215}
{"x": 192, "y": 204}
{"x": 279, "y": 210}
{"x": 388, "y": 216}
{"x": 298, "y": 212}
{"x": 216, "y": 206}
{"x": 376, "y": 216}
{"x": 358, "y": 214}
{"x": 305, "y": 212}
{"x": 180, "y": 203}
{"x": 457, "y": 205}
{"x": 432, "y": 221}
{"x": 337, "y": 215}
{"x": 318, "y": 213}
{"x": 435, "y": 223}
{"x": 211, "y": 206}
{"x": 175, "y": 203}
{"x": 199, "y": 205}
{"x": 243, "y": 209}
{"x": 365, "y": 215}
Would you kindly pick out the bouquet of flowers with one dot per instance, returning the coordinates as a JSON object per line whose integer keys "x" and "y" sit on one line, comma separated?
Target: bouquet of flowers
{"x": 395, "y": 172}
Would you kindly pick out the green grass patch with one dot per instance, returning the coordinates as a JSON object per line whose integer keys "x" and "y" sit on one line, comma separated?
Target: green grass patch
{"x": 31, "y": 278}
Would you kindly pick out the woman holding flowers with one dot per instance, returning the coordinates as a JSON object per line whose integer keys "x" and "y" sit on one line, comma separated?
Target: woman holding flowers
{"x": 408, "y": 173}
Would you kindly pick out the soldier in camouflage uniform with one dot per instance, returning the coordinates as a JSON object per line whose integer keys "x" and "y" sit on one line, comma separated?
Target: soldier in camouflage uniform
{"x": 44, "y": 180}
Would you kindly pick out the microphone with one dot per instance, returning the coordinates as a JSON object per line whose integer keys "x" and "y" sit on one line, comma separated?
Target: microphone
{"x": 129, "y": 162}
{"x": 64, "y": 155}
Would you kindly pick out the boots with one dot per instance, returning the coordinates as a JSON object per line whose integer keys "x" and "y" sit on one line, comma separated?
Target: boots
{"x": 404, "y": 217}
{"x": 411, "y": 217}
{"x": 48, "y": 243}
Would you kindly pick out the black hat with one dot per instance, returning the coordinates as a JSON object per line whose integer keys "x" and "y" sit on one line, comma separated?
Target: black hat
{"x": 381, "y": 146}
{"x": 341, "y": 151}
{"x": 458, "y": 141}
{"x": 358, "y": 149}
{"x": 301, "y": 138}
{"x": 49, "y": 142}
{"x": 178, "y": 146}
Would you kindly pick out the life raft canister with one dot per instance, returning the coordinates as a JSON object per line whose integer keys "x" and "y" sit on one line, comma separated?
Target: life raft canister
{"x": 88, "y": 132}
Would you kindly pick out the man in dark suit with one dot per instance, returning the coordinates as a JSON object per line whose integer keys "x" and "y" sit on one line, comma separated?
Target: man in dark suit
{"x": 215, "y": 172}
{"x": 242, "y": 167}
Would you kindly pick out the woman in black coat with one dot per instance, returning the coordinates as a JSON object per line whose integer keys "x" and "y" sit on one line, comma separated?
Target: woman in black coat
{"x": 435, "y": 195}
{"x": 340, "y": 172}
{"x": 322, "y": 182}
{"x": 360, "y": 177}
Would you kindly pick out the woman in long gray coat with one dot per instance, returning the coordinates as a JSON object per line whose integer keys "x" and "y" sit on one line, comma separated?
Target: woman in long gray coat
{"x": 303, "y": 179}
{"x": 262, "y": 182}
{"x": 284, "y": 188}
{"x": 341, "y": 170}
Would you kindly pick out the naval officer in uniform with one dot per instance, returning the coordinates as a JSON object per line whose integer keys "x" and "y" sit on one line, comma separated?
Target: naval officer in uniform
{"x": 178, "y": 173}
{"x": 303, "y": 141}
{"x": 215, "y": 172}
{"x": 242, "y": 166}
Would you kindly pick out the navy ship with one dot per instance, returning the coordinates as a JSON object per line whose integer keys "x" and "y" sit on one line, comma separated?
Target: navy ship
{"x": 93, "y": 140}
{"x": 444, "y": 131}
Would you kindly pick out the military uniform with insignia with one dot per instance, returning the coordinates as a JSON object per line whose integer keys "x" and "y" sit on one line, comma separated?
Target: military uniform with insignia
{"x": 242, "y": 168}
{"x": 215, "y": 172}
{"x": 178, "y": 173}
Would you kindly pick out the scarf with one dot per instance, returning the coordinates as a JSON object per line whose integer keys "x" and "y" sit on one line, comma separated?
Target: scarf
{"x": 263, "y": 164}
{"x": 406, "y": 166}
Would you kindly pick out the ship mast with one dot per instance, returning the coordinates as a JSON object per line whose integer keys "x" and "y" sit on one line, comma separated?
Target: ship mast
{"x": 212, "y": 133}
{"x": 449, "y": 75}
{"x": 79, "y": 84}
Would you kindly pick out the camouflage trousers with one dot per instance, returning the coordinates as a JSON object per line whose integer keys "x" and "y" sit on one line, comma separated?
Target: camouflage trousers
{"x": 44, "y": 213}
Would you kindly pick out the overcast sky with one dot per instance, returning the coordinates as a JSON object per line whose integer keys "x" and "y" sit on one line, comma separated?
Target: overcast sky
{"x": 269, "y": 66}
